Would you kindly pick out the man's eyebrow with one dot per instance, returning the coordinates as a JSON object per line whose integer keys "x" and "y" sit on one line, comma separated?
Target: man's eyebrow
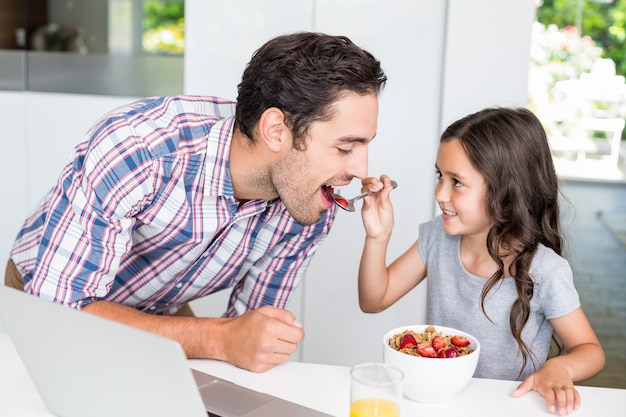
{"x": 355, "y": 139}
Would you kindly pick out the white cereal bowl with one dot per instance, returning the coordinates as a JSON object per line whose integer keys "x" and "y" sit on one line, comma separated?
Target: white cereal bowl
{"x": 432, "y": 380}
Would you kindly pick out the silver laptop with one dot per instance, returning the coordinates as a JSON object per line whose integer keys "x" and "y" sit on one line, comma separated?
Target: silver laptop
{"x": 86, "y": 366}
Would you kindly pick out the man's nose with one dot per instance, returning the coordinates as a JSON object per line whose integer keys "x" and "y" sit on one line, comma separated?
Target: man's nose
{"x": 358, "y": 164}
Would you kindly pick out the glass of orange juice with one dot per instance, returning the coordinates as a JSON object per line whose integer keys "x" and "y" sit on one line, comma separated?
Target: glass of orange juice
{"x": 375, "y": 390}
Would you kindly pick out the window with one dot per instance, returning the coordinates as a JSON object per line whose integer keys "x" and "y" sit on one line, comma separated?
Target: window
{"x": 114, "y": 47}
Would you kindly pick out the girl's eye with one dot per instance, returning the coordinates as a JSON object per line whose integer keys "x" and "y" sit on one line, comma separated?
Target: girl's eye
{"x": 456, "y": 182}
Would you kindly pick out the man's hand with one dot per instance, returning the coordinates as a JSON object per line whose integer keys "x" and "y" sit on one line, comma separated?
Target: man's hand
{"x": 261, "y": 339}
{"x": 258, "y": 340}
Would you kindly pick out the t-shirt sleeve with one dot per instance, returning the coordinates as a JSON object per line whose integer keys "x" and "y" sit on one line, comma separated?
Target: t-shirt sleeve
{"x": 428, "y": 233}
{"x": 557, "y": 292}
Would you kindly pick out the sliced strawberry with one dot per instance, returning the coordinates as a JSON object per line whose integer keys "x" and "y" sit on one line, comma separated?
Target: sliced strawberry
{"x": 459, "y": 341}
{"x": 342, "y": 201}
{"x": 451, "y": 353}
{"x": 407, "y": 340}
{"x": 441, "y": 353}
{"x": 438, "y": 343}
{"x": 427, "y": 352}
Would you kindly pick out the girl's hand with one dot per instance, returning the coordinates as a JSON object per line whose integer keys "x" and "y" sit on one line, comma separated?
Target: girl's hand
{"x": 584, "y": 359}
{"x": 377, "y": 211}
{"x": 555, "y": 384}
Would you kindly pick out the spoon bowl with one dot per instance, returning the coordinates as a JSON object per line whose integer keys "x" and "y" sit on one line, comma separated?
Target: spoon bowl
{"x": 348, "y": 204}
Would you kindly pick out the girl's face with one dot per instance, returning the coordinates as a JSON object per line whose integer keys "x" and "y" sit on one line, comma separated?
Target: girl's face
{"x": 460, "y": 192}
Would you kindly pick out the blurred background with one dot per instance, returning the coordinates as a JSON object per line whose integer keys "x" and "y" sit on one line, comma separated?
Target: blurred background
{"x": 64, "y": 63}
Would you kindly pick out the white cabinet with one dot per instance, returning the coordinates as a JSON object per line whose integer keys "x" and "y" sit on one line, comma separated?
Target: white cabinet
{"x": 13, "y": 170}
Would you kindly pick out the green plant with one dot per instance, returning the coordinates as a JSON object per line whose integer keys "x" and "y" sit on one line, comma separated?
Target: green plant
{"x": 602, "y": 20}
{"x": 164, "y": 27}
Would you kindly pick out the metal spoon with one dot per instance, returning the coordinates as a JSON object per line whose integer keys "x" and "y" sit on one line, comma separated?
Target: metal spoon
{"x": 348, "y": 205}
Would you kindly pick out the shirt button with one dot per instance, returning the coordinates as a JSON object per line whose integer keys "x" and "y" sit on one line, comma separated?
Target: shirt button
{"x": 179, "y": 285}
{"x": 153, "y": 308}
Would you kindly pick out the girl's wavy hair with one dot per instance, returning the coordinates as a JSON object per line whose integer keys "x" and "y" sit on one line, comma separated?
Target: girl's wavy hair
{"x": 509, "y": 147}
{"x": 303, "y": 74}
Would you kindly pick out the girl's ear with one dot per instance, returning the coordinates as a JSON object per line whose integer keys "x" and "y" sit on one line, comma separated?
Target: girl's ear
{"x": 272, "y": 130}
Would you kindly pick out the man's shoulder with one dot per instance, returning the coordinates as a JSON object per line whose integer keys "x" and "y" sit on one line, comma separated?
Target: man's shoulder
{"x": 188, "y": 104}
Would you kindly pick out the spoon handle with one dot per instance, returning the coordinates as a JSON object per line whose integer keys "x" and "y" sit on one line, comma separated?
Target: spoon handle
{"x": 365, "y": 194}
{"x": 360, "y": 196}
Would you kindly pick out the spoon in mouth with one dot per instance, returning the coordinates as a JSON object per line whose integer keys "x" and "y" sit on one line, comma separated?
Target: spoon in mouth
{"x": 348, "y": 205}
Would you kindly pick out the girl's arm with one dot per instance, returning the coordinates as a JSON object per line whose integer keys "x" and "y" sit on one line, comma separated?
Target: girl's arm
{"x": 584, "y": 359}
{"x": 381, "y": 286}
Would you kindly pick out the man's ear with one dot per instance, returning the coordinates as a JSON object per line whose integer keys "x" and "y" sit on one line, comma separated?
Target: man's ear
{"x": 272, "y": 130}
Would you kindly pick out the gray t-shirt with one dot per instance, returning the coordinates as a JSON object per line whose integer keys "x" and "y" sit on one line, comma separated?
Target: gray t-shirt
{"x": 454, "y": 301}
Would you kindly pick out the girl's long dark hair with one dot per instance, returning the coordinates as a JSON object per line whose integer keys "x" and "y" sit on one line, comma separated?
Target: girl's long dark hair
{"x": 510, "y": 149}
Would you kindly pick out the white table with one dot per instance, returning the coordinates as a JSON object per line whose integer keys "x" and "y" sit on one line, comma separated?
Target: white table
{"x": 325, "y": 388}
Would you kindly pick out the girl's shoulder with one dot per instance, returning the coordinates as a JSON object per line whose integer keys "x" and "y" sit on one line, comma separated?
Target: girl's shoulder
{"x": 431, "y": 235}
{"x": 547, "y": 260}
{"x": 550, "y": 271}
{"x": 431, "y": 231}
{"x": 433, "y": 226}
{"x": 555, "y": 290}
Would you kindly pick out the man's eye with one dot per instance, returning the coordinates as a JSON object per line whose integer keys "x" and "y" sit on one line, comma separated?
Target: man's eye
{"x": 345, "y": 151}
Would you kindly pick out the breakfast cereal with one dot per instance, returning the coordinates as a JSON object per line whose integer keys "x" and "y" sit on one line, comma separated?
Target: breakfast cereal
{"x": 431, "y": 344}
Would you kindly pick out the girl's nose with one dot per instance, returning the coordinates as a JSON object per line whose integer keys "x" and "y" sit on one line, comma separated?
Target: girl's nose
{"x": 441, "y": 193}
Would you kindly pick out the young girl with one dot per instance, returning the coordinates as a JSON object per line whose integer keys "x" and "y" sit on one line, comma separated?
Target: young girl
{"x": 492, "y": 257}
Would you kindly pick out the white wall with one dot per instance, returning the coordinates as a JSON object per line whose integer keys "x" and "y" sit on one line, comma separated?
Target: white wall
{"x": 408, "y": 38}
{"x": 444, "y": 59}
{"x": 39, "y": 132}
{"x": 486, "y": 56}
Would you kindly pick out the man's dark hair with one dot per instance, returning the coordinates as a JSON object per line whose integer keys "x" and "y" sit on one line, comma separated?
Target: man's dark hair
{"x": 303, "y": 74}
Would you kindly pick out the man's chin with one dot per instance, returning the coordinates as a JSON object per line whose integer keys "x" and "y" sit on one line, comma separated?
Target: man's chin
{"x": 307, "y": 219}
{"x": 309, "y": 210}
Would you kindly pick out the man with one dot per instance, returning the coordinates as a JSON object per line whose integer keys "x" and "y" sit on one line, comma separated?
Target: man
{"x": 173, "y": 198}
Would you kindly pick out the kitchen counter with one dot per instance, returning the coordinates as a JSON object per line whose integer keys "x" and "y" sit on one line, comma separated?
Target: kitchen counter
{"x": 323, "y": 387}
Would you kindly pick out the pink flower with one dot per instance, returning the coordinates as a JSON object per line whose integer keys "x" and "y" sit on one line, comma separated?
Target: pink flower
{"x": 571, "y": 29}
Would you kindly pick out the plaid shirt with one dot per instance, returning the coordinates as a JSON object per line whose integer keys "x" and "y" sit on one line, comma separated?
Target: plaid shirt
{"x": 144, "y": 214}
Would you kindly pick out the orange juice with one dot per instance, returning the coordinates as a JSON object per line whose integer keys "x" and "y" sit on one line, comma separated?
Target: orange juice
{"x": 374, "y": 407}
